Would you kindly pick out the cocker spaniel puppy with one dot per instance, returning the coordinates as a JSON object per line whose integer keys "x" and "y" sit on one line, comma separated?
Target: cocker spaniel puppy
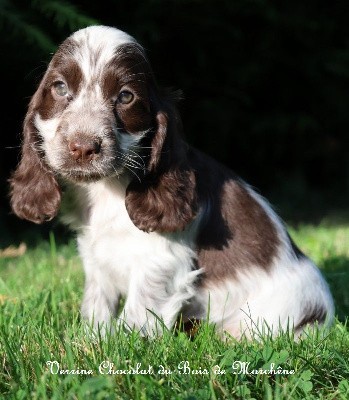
{"x": 157, "y": 221}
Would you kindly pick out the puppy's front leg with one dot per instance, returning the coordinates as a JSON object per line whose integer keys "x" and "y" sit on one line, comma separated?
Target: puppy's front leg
{"x": 99, "y": 304}
{"x": 153, "y": 303}
{"x": 148, "y": 315}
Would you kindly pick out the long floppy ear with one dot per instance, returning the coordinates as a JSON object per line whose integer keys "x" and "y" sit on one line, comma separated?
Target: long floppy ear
{"x": 34, "y": 191}
{"x": 165, "y": 200}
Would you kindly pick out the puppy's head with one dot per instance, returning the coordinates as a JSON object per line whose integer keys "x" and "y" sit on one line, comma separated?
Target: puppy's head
{"x": 97, "y": 113}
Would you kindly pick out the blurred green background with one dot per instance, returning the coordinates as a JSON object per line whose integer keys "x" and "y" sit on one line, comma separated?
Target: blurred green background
{"x": 266, "y": 87}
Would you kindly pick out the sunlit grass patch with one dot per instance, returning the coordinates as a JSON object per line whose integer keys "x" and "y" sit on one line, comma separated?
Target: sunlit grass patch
{"x": 328, "y": 246}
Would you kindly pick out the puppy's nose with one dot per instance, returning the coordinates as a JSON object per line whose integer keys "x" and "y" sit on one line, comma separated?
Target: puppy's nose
{"x": 84, "y": 150}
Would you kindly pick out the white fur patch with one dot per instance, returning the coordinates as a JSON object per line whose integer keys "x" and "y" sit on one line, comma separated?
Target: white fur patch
{"x": 154, "y": 271}
{"x": 100, "y": 41}
{"x": 258, "y": 301}
{"x": 47, "y": 128}
{"x": 128, "y": 141}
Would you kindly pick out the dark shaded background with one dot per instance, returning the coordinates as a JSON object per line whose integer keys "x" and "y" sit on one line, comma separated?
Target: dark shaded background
{"x": 266, "y": 87}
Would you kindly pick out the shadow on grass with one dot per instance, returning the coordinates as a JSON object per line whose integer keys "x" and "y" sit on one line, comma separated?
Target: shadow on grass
{"x": 336, "y": 270}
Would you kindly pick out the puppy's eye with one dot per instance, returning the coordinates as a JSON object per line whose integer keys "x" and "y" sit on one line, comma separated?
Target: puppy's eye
{"x": 60, "y": 88}
{"x": 125, "y": 97}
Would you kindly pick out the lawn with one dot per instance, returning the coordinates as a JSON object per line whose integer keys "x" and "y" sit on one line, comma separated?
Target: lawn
{"x": 41, "y": 334}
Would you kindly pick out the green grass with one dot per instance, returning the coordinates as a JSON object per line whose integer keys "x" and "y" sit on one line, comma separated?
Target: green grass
{"x": 40, "y": 294}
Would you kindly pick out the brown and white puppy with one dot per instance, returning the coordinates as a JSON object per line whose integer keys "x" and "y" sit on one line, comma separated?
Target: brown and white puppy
{"x": 157, "y": 221}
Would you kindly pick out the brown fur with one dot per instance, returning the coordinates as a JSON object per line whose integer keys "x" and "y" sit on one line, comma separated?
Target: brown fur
{"x": 165, "y": 200}
{"x": 236, "y": 232}
{"x": 35, "y": 194}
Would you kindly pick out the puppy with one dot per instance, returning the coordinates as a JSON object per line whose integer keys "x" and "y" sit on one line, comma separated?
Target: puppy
{"x": 157, "y": 221}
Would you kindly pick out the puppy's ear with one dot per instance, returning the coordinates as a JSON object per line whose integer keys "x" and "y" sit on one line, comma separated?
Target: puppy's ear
{"x": 165, "y": 200}
{"x": 34, "y": 191}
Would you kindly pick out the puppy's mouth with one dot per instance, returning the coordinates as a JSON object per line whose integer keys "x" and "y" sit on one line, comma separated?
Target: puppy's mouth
{"x": 89, "y": 174}
{"x": 82, "y": 176}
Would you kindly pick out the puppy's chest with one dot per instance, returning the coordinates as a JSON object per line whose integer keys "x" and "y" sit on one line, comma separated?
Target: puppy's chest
{"x": 111, "y": 236}
{"x": 113, "y": 247}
